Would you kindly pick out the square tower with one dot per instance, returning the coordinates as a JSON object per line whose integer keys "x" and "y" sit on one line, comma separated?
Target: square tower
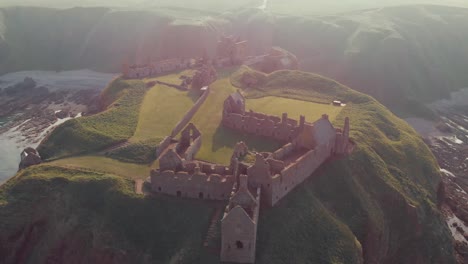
{"x": 239, "y": 225}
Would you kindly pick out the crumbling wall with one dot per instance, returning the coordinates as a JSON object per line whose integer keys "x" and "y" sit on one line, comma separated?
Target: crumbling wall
{"x": 193, "y": 149}
{"x": 239, "y": 230}
{"x": 298, "y": 172}
{"x": 162, "y": 146}
{"x": 154, "y": 68}
{"x": 197, "y": 185}
{"x": 284, "y": 151}
{"x": 262, "y": 125}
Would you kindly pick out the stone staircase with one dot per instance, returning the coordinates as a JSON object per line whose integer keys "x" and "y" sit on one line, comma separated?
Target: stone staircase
{"x": 213, "y": 231}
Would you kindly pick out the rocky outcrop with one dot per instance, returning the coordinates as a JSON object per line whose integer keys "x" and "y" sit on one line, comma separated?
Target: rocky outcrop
{"x": 29, "y": 157}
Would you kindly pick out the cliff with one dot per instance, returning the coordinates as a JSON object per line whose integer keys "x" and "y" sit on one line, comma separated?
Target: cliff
{"x": 378, "y": 205}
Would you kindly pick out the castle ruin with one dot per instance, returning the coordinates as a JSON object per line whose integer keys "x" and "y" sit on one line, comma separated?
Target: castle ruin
{"x": 246, "y": 186}
{"x": 138, "y": 71}
{"x": 231, "y": 51}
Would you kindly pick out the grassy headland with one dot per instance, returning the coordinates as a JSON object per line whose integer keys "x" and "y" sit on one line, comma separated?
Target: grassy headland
{"x": 378, "y": 205}
{"x": 122, "y": 100}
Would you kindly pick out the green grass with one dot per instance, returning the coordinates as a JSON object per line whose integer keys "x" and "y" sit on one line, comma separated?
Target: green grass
{"x": 141, "y": 152}
{"x": 218, "y": 142}
{"x": 106, "y": 165}
{"x": 312, "y": 233}
{"x": 390, "y": 169}
{"x": 101, "y": 216}
{"x": 289, "y": 84}
{"x": 92, "y": 133}
{"x": 162, "y": 108}
{"x": 382, "y": 198}
{"x": 295, "y": 108}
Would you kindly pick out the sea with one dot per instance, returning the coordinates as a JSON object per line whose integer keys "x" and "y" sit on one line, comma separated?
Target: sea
{"x": 12, "y": 142}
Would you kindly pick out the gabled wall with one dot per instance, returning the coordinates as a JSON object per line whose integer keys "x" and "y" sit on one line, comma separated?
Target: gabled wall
{"x": 239, "y": 232}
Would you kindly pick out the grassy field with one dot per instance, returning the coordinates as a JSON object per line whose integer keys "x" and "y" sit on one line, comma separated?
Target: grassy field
{"x": 367, "y": 200}
{"x": 297, "y": 85}
{"x": 117, "y": 123}
{"x": 106, "y": 165}
{"x": 218, "y": 142}
{"x": 162, "y": 109}
{"x": 276, "y": 106}
{"x": 103, "y": 214}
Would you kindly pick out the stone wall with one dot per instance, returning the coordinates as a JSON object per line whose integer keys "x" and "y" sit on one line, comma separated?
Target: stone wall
{"x": 283, "y": 152}
{"x": 162, "y": 146}
{"x": 155, "y": 68}
{"x": 192, "y": 184}
{"x": 190, "y": 113}
{"x": 277, "y": 175}
{"x": 296, "y": 173}
{"x": 178, "y": 87}
{"x": 239, "y": 228}
{"x": 193, "y": 149}
{"x": 283, "y": 129}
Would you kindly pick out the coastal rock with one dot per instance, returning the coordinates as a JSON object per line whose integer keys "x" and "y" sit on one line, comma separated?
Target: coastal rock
{"x": 29, "y": 157}
{"x": 62, "y": 114}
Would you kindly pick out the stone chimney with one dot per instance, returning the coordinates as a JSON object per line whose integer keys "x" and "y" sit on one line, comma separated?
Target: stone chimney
{"x": 284, "y": 117}
{"x": 197, "y": 169}
{"x": 243, "y": 182}
{"x": 301, "y": 121}
{"x": 325, "y": 116}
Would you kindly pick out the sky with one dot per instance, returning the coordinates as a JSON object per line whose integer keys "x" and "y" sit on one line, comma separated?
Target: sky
{"x": 300, "y": 7}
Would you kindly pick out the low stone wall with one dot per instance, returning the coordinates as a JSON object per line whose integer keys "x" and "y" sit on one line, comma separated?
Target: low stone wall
{"x": 190, "y": 113}
{"x": 179, "y": 87}
{"x": 162, "y": 146}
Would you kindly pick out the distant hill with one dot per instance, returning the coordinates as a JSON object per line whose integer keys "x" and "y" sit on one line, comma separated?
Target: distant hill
{"x": 400, "y": 55}
{"x": 403, "y": 56}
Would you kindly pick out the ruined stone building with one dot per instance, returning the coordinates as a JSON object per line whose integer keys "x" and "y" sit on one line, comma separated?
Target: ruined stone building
{"x": 245, "y": 186}
{"x": 231, "y": 51}
{"x": 239, "y": 224}
{"x": 154, "y": 68}
{"x": 179, "y": 175}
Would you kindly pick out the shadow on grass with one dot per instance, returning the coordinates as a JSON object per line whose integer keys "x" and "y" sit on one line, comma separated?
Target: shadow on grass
{"x": 194, "y": 95}
{"x": 225, "y": 137}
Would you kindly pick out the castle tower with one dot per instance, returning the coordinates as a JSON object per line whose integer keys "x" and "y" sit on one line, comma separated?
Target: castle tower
{"x": 239, "y": 225}
{"x": 284, "y": 118}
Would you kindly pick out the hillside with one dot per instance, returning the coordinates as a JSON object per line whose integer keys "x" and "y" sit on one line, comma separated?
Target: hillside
{"x": 399, "y": 55}
{"x": 379, "y": 205}
{"x": 117, "y": 123}
{"x": 404, "y": 56}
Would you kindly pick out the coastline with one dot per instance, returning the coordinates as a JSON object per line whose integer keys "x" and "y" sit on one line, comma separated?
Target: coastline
{"x": 75, "y": 93}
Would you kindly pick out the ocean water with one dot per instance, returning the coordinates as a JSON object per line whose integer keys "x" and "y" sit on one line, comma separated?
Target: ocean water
{"x": 11, "y": 147}
{"x": 12, "y": 142}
